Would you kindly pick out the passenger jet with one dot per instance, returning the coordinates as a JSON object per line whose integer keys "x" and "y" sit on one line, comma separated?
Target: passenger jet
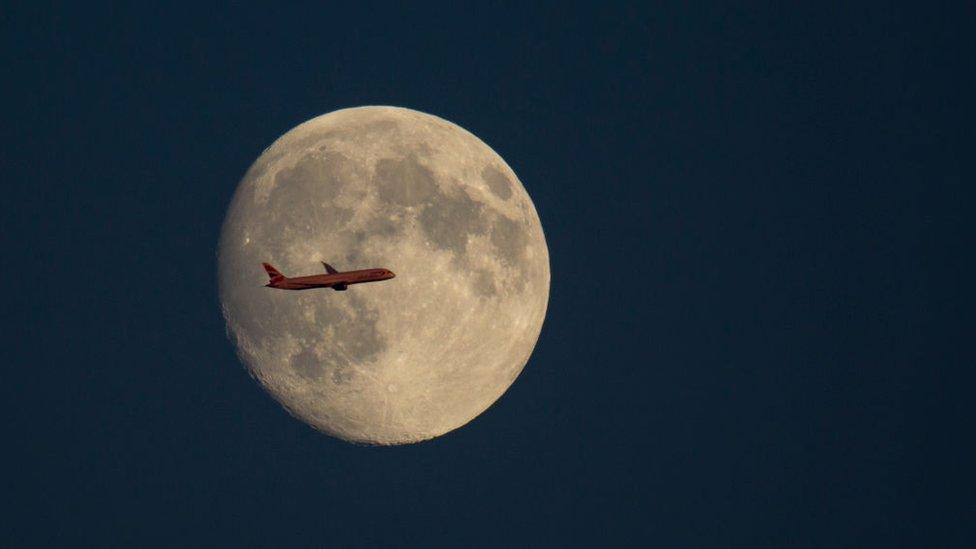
{"x": 334, "y": 279}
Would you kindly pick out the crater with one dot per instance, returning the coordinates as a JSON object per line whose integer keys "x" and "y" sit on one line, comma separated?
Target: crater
{"x": 342, "y": 374}
{"x": 497, "y": 182}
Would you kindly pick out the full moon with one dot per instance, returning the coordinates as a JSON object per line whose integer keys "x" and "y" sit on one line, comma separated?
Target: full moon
{"x": 405, "y": 359}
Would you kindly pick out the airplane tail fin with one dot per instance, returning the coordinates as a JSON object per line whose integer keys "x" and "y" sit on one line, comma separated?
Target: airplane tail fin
{"x": 273, "y": 273}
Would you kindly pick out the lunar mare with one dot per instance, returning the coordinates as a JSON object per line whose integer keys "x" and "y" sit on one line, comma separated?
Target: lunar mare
{"x": 405, "y": 359}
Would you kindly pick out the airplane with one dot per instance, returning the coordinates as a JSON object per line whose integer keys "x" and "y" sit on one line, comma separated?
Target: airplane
{"x": 334, "y": 279}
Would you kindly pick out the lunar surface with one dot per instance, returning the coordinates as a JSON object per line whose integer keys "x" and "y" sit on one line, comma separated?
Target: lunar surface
{"x": 406, "y": 359}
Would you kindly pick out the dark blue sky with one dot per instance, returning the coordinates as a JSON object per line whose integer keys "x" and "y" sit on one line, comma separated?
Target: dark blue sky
{"x": 760, "y": 325}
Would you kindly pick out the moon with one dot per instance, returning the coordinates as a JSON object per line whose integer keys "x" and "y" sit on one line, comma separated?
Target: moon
{"x": 406, "y": 359}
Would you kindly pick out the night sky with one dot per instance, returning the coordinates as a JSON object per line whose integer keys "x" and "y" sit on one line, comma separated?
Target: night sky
{"x": 760, "y": 324}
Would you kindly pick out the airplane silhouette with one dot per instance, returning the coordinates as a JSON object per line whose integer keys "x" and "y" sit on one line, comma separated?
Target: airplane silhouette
{"x": 334, "y": 279}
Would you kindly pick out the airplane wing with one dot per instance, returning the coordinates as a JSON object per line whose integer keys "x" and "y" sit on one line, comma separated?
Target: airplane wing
{"x": 329, "y": 268}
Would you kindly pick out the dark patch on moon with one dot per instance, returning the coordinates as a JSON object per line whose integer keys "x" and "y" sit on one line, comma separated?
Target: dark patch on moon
{"x": 405, "y": 181}
{"x": 319, "y": 141}
{"x": 307, "y": 364}
{"x": 497, "y": 183}
{"x": 484, "y": 283}
{"x": 450, "y": 219}
{"x": 305, "y": 192}
{"x": 316, "y": 172}
{"x": 356, "y": 337}
{"x": 422, "y": 149}
{"x": 342, "y": 374}
{"x": 509, "y": 238}
{"x": 270, "y": 158}
{"x": 355, "y": 340}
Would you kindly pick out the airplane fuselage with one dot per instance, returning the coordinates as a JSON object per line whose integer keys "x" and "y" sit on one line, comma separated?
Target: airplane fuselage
{"x": 337, "y": 281}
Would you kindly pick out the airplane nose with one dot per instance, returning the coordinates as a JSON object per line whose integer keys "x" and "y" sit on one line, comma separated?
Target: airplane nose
{"x": 392, "y": 274}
